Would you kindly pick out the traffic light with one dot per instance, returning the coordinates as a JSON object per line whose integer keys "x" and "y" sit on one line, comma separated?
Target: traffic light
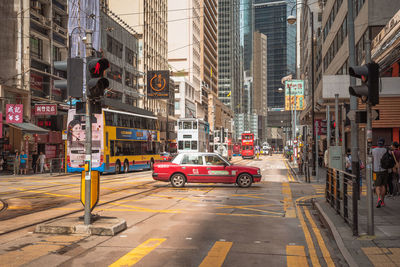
{"x": 333, "y": 129}
{"x": 96, "y": 83}
{"x": 74, "y": 81}
{"x": 369, "y": 88}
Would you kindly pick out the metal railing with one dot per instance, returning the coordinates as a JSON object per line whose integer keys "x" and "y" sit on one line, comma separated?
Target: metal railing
{"x": 341, "y": 192}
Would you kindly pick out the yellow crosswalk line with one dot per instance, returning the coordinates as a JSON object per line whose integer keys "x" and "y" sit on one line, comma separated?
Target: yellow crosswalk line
{"x": 216, "y": 256}
{"x": 296, "y": 256}
{"x": 321, "y": 243}
{"x": 136, "y": 254}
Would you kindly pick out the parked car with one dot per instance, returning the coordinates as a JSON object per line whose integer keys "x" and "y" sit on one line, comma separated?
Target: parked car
{"x": 204, "y": 168}
{"x": 165, "y": 156}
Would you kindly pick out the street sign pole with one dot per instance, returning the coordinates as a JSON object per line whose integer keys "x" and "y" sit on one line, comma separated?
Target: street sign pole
{"x": 316, "y": 150}
{"x": 337, "y": 119}
{"x": 88, "y": 145}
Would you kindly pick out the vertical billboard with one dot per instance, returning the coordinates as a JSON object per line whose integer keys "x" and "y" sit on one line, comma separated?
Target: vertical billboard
{"x": 294, "y": 94}
{"x": 158, "y": 84}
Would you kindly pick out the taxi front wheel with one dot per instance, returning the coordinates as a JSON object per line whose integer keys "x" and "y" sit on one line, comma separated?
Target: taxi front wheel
{"x": 244, "y": 180}
{"x": 178, "y": 180}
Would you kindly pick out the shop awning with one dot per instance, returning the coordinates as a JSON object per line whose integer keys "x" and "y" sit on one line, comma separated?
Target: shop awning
{"x": 29, "y": 128}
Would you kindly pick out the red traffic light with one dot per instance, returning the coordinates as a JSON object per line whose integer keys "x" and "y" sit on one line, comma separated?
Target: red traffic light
{"x": 97, "y": 66}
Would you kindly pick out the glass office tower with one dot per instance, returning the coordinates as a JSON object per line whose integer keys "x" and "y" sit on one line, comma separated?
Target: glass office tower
{"x": 270, "y": 19}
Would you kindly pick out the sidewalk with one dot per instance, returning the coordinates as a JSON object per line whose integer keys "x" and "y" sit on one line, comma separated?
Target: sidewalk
{"x": 382, "y": 249}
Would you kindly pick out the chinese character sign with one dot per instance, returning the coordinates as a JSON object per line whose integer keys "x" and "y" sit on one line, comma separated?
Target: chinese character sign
{"x": 45, "y": 109}
{"x": 294, "y": 94}
{"x": 14, "y": 113}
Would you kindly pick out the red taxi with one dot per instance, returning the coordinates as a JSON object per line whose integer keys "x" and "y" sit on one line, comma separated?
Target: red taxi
{"x": 204, "y": 168}
{"x": 165, "y": 156}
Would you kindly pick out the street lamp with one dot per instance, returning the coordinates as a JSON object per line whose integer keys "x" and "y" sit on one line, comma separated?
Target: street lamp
{"x": 291, "y": 20}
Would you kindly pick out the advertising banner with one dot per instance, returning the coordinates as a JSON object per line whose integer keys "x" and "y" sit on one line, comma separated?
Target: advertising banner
{"x": 294, "y": 95}
{"x": 158, "y": 84}
{"x": 14, "y": 113}
{"x": 136, "y": 134}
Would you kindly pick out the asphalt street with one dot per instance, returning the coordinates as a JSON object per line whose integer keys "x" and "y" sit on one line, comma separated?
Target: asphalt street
{"x": 272, "y": 223}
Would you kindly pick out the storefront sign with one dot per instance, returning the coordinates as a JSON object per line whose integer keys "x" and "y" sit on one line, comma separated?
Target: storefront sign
{"x": 45, "y": 109}
{"x": 14, "y": 113}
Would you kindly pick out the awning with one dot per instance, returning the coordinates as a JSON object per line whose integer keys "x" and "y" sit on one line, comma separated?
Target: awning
{"x": 29, "y": 127}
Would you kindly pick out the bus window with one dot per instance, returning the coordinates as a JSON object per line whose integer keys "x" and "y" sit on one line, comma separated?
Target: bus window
{"x": 180, "y": 125}
{"x": 195, "y": 125}
{"x": 112, "y": 152}
{"x": 187, "y": 145}
{"x": 194, "y": 145}
{"x": 187, "y": 125}
{"x": 180, "y": 145}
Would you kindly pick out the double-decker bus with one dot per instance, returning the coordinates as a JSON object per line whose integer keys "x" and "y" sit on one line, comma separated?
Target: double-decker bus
{"x": 223, "y": 143}
{"x": 193, "y": 135}
{"x": 121, "y": 141}
{"x": 247, "y": 145}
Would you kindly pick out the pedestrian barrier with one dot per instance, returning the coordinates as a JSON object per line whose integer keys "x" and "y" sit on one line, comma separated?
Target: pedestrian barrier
{"x": 341, "y": 193}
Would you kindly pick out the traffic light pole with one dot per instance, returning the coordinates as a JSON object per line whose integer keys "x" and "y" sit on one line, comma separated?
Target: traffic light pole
{"x": 368, "y": 144}
{"x": 355, "y": 163}
{"x": 88, "y": 148}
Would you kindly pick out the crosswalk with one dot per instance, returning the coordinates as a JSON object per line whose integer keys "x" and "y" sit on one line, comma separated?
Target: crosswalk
{"x": 320, "y": 189}
{"x": 216, "y": 256}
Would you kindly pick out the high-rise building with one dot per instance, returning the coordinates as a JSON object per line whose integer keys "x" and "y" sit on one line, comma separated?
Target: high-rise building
{"x": 247, "y": 29}
{"x": 260, "y": 74}
{"x": 230, "y": 82}
{"x": 270, "y": 19}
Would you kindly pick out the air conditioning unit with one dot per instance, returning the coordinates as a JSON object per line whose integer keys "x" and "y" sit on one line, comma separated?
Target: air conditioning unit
{"x": 56, "y": 28}
{"x": 43, "y": 20}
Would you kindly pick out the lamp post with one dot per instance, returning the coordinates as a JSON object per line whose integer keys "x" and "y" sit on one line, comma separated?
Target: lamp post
{"x": 291, "y": 20}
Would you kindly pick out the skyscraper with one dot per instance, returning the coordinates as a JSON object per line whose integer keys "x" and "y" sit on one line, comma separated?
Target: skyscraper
{"x": 230, "y": 89}
{"x": 270, "y": 19}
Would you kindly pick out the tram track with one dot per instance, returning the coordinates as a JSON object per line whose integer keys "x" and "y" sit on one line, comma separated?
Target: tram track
{"x": 21, "y": 227}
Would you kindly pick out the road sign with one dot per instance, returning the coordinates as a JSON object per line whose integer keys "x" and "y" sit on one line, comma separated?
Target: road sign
{"x": 95, "y": 188}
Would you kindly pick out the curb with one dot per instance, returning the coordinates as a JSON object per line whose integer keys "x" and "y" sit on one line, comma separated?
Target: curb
{"x": 338, "y": 239}
{"x": 294, "y": 173}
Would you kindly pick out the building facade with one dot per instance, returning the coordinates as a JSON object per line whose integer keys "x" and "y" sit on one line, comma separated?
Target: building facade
{"x": 230, "y": 74}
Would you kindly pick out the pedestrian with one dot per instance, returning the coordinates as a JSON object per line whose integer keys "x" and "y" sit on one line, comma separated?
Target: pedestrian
{"x": 379, "y": 173}
{"x": 34, "y": 161}
{"x": 16, "y": 163}
{"x": 396, "y": 169}
{"x": 42, "y": 161}
{"x": 348, "y": 161}
{"x": 300, "y": 163}
{"x": 23, "y": 158}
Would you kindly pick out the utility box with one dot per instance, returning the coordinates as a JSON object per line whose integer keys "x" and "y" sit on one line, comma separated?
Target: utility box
{"x": 336, "y": 157}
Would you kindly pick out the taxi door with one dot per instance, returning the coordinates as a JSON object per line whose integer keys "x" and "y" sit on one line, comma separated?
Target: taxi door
{"x": 217, "y": 172}
{"x": 193, "y": 168}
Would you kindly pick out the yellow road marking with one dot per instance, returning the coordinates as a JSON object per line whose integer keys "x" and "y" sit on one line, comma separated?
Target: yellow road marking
{"x": 321, "y": 243}
{"x": 178, "y": 198}
{"x": 383, "y": 256}
{"x": 46, "y": 193}
{"x": 310, "y": 244}
{"x": 249, "y": 196}
{"x": 287, "y": 201}
{"x": 136, "y": 254}
{"x": 216, "y": 256}
{"x": 296, "y": 256}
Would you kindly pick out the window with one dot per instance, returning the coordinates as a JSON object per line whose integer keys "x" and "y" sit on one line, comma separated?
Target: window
{"x": 194, "y": 145}
{"x": 36, "y": 47}
{"x": 187, "y": 145}
{"x": 214, "y": 160}
{"x": 115, "y": 73}
{"x": 130, "y": 79}
{"x": 56, "y": 53}
{"x": 187, "y": 125}
{"x": 192, "y": 160}
{"x": 195, "y": 125}
{"x": 180, "y": 125}
{"x": 114, "y": 47}
{"x": 130, "y": 57}
{"x": 180, "y": 145}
